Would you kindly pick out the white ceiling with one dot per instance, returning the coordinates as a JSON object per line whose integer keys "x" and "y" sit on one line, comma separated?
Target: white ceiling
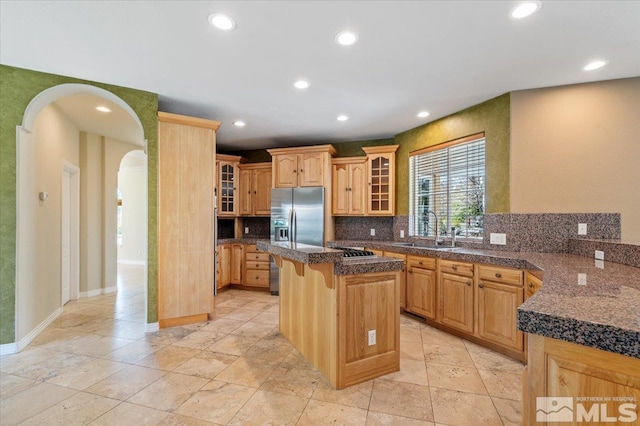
{"x": 441, "y": 56}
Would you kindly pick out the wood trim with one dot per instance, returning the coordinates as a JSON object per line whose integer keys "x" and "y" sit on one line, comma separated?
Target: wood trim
{"x": 447, "y": 144}
{"x": 302, "y": 150}
{"x": 254, "y": 166}
{"x": 167, "y": 117}
{"x": 172, "y": 322}
{"x": 349, "y": 160}
{"x": 380, "y": 149}
{"x": 229, "y": 158}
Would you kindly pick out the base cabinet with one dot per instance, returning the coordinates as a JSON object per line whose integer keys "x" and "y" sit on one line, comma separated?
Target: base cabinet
{"x": 497, "y": 314}
{"x": 237, "y": 260}
{"x": 595, "y": 386}
{"x": 256, "y": 267}
{"x": 456, "y": 302}
{"x": 421, "y": 286}
{"x": 224, "y": 265}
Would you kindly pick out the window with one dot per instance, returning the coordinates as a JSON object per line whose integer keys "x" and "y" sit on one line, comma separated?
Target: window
{"x": 448, "y": 180}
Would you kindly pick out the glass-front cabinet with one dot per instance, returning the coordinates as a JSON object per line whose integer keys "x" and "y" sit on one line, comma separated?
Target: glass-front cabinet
{"x": 228, "y": 176}
{"x": 381, "y": 161}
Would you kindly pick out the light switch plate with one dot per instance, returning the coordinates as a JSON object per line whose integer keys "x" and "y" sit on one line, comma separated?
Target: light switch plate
{"x": 582, "y": 279}
{"x": 582, "y": 229}
{"x": 373, "y": 232}
{"x": 599, "y": 255}
{"x": 402, "y": 233}
{"x": 246, "y": 229}
{"x": 498, "y": 239}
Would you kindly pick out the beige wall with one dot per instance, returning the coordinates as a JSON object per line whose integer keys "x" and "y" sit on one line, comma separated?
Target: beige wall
{"x": 56, "y": 139}
{"x": 132, "y": 182}
{"x": 577, "y": 149}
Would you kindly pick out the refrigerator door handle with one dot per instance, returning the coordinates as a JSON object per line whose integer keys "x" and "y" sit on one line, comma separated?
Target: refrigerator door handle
{"x": 294, "y": 226}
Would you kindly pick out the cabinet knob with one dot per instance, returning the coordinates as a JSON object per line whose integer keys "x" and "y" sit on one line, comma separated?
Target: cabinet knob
{"x": 420, "y": 262}
{"x": 255, "y": 192}
{"x": 498, "y": 275}
{"x": 410, "y": 271}
{"x": 257, "y": 257}
{"x": 295, "y": 171}
{"x": 301, "y": 171}
{"x": 530, "y": 285}
{"x": 454, "y": 267}
{"x": 468, "y": 282}
{"x": 481, "y": 285}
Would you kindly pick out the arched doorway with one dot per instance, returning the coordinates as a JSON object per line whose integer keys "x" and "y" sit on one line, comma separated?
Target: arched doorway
{"x": 39, "y": 300}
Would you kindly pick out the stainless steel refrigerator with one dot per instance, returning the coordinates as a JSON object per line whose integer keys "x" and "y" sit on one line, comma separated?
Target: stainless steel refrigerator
{"x": 297, "y": 215}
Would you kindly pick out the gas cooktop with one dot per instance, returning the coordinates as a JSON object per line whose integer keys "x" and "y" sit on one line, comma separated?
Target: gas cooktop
{"x": 353, "y": 252}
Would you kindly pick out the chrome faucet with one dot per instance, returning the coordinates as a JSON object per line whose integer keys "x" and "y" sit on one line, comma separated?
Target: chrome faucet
{"x": 435, "y": 230}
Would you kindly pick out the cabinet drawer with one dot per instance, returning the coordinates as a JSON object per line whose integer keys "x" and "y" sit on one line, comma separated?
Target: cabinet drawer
{"x": 251, "y": 264}
{"x": 256, "y": 257}
{"x": 257, "y": 278}
{"x": 421, "y": 262}
{"x": 251, "y": 248}
{"x": 500, "y": 275}
{"x": 457, "y": 268}
{"x": 532, "y": 285}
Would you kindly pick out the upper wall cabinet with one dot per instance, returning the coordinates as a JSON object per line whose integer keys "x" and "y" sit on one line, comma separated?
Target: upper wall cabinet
{"x": 228, "y": 177}
{"x": 186, "y": 180}
{"x": 381, "y": 170}
{"x": 349, "y": 182}
{"x": 255, "y": 189}
{"x": 302, "y": 166}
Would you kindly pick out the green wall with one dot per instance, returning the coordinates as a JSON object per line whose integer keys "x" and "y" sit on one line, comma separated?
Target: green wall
{"x": 491, "y": 117}
{"x": 17, "y": 88}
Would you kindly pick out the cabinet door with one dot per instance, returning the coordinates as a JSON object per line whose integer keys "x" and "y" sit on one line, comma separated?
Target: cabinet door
{"x": 497, "y": 313}
{"x": 225, "y": 265}
{"x": 262, "y": 192}
{"x": 246, "y": 192}
{"x": 186, "y": 178}
{"x": 227, "y": 191}
{"x": 237, "y": 258}
{"x": 403, "y": 277}
{"x": 380, "y": 185}
{"x": 310, "y": 170}
{"x": 358, "y": 189}
{"x": 456, "y": 302}
{"x": 421, "y": 292}
{"x": 532, "y": 285}
{"x": 340, "y": 189}
{"x": 286, "y": 171}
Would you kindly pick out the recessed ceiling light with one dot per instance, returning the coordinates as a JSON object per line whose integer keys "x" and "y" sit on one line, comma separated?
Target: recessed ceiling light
{"x": 301, "y": 84}
{"x": 423, "y": 114}
{"x": 222, "y": 22}
{"x": 524, "y": 9}
{"x": 595, "y": 65}
{"x": 239, "y": 123}
{"x": 342, "y": 118}
{"x": 346, "y": 38}
{"x": 102, "y": 108}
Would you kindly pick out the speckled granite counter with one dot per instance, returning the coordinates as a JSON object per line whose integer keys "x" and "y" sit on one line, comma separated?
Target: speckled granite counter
{"x": 309, "y": 254}
{"x": 603, "y": 313}
{"x": 240, "y": 240}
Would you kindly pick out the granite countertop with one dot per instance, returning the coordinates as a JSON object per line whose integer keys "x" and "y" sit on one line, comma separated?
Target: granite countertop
{"x": 250, "y": 240}
{"x": 309, "y": 254}
{"x": 592, "y": 303}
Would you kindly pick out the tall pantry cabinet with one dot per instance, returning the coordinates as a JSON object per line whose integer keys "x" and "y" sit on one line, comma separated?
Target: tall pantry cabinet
{"x": 186, "y": 185}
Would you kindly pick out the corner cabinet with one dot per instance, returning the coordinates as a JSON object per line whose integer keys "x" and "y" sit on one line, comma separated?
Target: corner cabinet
{"x": 349, "y": 180}
{"x": 186, "y": 181}
{"x": 381, "y": 171}
{"x": 227, "y": 184}
{"x": 255, "y": 189}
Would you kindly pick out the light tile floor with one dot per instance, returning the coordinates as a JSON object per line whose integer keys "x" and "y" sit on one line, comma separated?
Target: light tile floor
{"x": 95, "y": 365}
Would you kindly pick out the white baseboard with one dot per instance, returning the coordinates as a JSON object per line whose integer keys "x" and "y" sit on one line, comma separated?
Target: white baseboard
{"x": 12, "y": 348}
{"x": 132, "y": 262}
{"x": 97, "y": 292}
{"x": 150, "y": 327}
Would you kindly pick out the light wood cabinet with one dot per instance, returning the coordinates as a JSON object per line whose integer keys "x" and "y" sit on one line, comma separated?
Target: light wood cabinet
{"x": 403, "y": 276}
{"x": 532, "y": 285}
{"x": 302, "y": 166}
{"x": 255, "y": 189}
{"x": 227, "y": 185}
{"x": 456, "y": 301}
{"x": 421, "y": 286}
{"x": 500, "y": 293}
{"x": 381, "y": 172}
{"x": 256, "y": 267}
{"x": 237, "y": 260}
{"x": 559, "y": 369}
{"x": 349, "y": 181}
{"x": 186, "y": 182}
{"x": 224, "y": 265}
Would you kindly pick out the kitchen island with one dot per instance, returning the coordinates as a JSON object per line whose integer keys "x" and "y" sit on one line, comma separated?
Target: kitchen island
{"x": 342, "y": 314}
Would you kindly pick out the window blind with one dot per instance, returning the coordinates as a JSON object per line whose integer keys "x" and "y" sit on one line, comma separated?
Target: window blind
{"x": 449, "y": 182}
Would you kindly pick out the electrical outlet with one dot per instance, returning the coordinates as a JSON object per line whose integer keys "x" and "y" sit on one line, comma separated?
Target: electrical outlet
{"x": 582, "y": 279}
{"x": 599, "y": 255}
{"x": 599, "y": 264}
{"x": 498, "y": 239}
{"x": 582, "y": 229}
{"x": 373, "y": 232}
{"x": 372, "y": 337}
{"x": 246, "y": 229}
{"x": 402, "y": 233}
